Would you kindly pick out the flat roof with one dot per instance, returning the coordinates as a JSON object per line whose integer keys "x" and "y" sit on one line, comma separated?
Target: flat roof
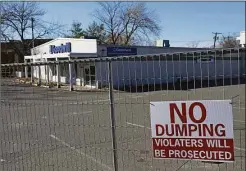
{"x": 157, "y": 47}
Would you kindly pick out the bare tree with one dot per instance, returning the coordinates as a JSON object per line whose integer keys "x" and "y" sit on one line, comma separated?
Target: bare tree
{"x": 193, "y": 44}
{"x": 127, "y": 22}
{"x": 16, "y": 24}
{"x": 229, "y": 42}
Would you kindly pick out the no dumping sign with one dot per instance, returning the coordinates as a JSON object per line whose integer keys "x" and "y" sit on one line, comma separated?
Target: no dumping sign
{"x": 197, "y": 130}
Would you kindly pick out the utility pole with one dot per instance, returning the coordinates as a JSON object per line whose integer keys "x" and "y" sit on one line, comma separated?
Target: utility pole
{"x": 215, "y": 37}
{"x": 32, "y": 34}
{"x": 229, "y": 37}
{"x": 32, "y": 52}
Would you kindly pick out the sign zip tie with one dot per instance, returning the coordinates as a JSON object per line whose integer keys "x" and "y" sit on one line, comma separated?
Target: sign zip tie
{"x": 233, "y": 98}
{"x": 183, "y": 165}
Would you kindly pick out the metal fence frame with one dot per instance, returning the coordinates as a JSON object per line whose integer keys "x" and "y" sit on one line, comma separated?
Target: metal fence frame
{"x": 158, "y": 57}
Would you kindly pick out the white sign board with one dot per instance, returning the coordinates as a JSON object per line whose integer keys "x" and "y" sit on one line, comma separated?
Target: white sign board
{"x": 197, "y": 130}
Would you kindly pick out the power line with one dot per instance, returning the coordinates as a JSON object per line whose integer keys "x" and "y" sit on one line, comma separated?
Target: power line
{"x": 190, "y": 40}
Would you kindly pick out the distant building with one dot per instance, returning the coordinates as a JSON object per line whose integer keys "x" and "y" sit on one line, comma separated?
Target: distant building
{"x": 90, "y": 74}
{"x": 10, "y": 55}
{"x": 241, "y": 39}
{"x": 127, "y": 72}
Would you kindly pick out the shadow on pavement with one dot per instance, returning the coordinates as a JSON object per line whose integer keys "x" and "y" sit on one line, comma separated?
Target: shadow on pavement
{"x": 184, "y": 85}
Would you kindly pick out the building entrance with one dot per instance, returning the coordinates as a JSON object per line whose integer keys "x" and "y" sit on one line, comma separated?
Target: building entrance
{"x": 90, "y": 75}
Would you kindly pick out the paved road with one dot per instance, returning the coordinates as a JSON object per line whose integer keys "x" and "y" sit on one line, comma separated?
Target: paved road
{"x": 57, "y": 130}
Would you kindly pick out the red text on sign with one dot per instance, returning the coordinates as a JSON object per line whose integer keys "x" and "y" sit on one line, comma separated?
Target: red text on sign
{"x": 183, "y": 115}
{"x": 189, "y": 130}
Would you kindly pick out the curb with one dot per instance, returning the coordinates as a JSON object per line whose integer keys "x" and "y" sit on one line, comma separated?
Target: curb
{"x": 83, "y": 90}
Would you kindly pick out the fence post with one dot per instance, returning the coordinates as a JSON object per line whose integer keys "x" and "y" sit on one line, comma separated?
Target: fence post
{"x": 26, "y": 69}
{"x": 31, "y": 73}
{"x": 243, "y": 63}
{"x": 58, "y": 75}
{"x": 48, "y": 74}
{"x": 112, "y": 114}
{"x": 39, "y": 75}
{"x": 70, "y": 76}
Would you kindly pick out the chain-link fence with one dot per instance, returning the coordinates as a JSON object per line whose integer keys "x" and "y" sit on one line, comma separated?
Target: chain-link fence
{"x": 104, "y": 123}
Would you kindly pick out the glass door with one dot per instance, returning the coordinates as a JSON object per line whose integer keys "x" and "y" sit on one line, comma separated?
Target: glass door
{"x": 90, "y": 75}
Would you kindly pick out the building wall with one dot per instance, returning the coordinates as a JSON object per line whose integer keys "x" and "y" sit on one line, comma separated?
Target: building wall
{"x": 158, "y": 50}
{"x": 44, "y": 71}
{"x": 10, "y": 55}
{"x": 144, "y": 50}
{"x": 77, "y": 46}
{"x": 241, "y": 38}
{"x": 126, "y": 73}
{"x": 42, "y": 53}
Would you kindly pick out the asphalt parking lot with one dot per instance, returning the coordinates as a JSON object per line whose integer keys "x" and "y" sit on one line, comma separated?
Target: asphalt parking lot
{"x": 57, "y": 130}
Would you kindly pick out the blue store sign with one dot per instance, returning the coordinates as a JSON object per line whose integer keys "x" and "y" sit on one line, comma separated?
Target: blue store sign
{"x": 60, "y": 49}
{"x": 121, "y": 51}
